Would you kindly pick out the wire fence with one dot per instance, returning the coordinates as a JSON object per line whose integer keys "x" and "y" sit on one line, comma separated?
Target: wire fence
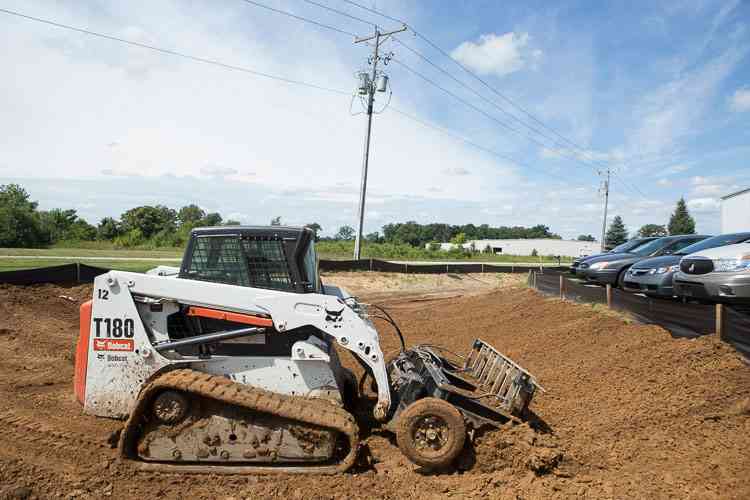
{"x": 685, "y": 320}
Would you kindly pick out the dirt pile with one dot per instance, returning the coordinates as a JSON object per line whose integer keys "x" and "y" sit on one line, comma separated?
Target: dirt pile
{"x": 629, "y": 411}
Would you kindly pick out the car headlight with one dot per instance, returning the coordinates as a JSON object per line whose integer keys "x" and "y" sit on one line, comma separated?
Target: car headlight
{"x": 598, "y": 265}
{"x": 741, "y": 263}
{"x": 664, "y": 270}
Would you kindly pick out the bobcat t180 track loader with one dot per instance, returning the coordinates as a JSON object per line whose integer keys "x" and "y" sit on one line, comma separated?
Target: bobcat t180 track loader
{"x": 228, "y": 364}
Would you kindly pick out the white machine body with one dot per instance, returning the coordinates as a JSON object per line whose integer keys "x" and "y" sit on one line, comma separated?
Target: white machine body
{"x": 128, "y": 329}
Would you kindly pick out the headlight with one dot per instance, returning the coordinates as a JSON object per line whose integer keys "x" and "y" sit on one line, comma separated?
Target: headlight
{"x": 664, "y": 270}
{"x": 741, "y": 263}
{"x": 598, "y": 265}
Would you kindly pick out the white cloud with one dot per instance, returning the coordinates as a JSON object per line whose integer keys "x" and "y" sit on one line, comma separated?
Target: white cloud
{"x": 740, "y": 100}
{"x": 676, "y": 169}
{"x": 218, "y": 171}
{"x": 497, "y": 54}
{"x": 587, "y": 155}
{"x": 704, "y": 205}
{"x": 674, "y": 110}
{"x": 664, "y": 183}
{"x": 456, "y": 171}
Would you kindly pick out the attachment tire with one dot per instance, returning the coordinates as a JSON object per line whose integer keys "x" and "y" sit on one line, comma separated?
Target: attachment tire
{"x": 431, "y": 432}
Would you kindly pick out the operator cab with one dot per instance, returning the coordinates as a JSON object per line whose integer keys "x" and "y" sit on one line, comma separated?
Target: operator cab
{"x": 272, "y": 257}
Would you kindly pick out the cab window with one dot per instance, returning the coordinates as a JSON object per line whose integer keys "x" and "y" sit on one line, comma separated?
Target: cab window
{"x": 218, "y": 259}
{"x": 267, "y": 264}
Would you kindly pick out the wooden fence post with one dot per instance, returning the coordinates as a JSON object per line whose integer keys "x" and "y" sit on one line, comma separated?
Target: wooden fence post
{"x": 562, "y": 287}
{"x": 720, "y": 320}
{"x": 609, "y": 296}
{"x": 530, "y": 279}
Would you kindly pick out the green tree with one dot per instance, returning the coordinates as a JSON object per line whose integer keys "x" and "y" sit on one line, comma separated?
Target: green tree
{"x": 649, "y": 230}
{"x": 316, "y": 229}
{"x": 149, "y": 220}
{"x": 459, "y": 239}
{"x": 276, "y": 221}
{"x": 212, "y": 219}
{"x": 345, "y": 233}
{"x": 20, "y": 224}
{"x": 231, "y": 222}
{"x": 80, "y": 230}
{"x": 190, "y": 215}
{"x": 616, "y": 234}
{"x": 681, "y": 222}
{"x": 57, "y": 222}
{"x": 586, "y": 237}
{"x": 373, "y": 237}
{"x": 108, "y": 229}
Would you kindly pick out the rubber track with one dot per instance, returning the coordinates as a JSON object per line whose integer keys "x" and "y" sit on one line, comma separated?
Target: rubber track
{"x": 307, "y": 410}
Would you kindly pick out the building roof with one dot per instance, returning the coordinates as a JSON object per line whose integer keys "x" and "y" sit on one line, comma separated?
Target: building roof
{"x": 737, "y": 193}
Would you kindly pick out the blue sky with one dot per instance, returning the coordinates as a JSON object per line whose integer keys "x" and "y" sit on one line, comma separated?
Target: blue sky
{"x": 658, "y": 91}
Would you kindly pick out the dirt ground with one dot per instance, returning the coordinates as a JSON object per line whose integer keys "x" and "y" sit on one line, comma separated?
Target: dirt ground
{"x": 629, "y": 411}
{"x": 384, "y": 287}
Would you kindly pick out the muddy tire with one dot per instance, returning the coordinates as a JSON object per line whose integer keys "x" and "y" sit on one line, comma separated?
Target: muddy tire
{"x": 431, "y": 433}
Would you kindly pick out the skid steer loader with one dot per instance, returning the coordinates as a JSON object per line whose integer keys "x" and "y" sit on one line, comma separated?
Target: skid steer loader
{"x": 229, "y": 364}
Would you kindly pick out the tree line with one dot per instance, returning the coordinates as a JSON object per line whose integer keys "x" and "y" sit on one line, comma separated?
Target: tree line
{"x": 680, "y": 222}
{"x": 22, "y": 224}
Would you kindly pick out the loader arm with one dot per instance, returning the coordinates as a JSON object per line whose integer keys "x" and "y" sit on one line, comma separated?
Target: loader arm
{"x": 114, "y": 301}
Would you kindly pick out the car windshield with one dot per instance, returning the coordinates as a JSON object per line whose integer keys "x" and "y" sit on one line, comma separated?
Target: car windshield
{"x": 716, "y": 241}
{"x": 651, "y": 247}
{"x": 628, "y": 246}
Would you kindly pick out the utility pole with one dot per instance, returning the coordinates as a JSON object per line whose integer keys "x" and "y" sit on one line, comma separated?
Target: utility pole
{"x": 368, "y": 85}
{"x": 606, "y": 202}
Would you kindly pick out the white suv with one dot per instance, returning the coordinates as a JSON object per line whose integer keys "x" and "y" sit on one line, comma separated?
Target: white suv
{"x": 719, "y": 274}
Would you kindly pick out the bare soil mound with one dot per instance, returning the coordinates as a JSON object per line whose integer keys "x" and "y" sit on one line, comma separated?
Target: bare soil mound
{"x": 629, "y": 411}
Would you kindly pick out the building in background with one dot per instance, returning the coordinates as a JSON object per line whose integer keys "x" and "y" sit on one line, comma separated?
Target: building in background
{"x": 543, "y": 246}
{"x": 735, "y": 212}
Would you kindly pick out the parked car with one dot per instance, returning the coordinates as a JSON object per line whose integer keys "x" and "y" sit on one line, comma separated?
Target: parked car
{"x": 609, "y": 269}
{"x": 624, "y": 247}
{"x": 719, "y": 274}
{"x": 654, "y": 276}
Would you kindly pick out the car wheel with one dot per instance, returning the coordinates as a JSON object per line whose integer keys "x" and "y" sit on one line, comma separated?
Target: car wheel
{"x": 621, "y": 279}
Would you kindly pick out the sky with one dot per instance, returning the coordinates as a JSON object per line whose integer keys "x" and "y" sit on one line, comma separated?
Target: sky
{"x": 658, "y": 92}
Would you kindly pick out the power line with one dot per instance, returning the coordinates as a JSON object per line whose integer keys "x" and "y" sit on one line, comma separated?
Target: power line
{"x": 472, "y": 106}
{"x": 244, "y": 70}
{"x": 633, "y": 188}
{"x": 300, "y": 18}
{"x": 479, "y": 147}
{"x": 373, "y": 11}
{"x": 341, "y": 12}
{"x": 556, "y": 142}
{"x": 442, "y": 70}
{"x": 473, "y": 75}
{"x": 171, "y": 52}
